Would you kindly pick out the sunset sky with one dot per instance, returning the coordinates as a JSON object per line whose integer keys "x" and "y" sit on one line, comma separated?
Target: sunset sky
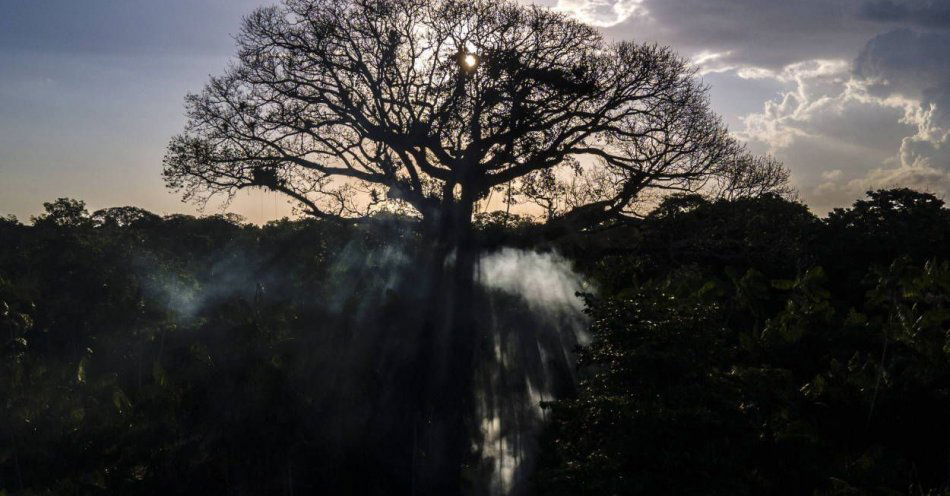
{"x": 850, "y": 94}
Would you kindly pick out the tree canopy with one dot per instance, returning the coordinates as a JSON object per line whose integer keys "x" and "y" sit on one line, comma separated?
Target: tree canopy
{"x": 738, "y": 347}
{"x": 427, "y": 107}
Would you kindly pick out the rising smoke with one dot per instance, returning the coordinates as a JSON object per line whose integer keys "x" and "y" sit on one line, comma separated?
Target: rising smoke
{"x": 533, "y": 337}
{"x": 361, "y": 373}
{"x": 545, "y": 281}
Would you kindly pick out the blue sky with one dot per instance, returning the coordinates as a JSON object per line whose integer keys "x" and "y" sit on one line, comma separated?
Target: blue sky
{"x": 92, "y": 91}
{"x": 851, "y": 94}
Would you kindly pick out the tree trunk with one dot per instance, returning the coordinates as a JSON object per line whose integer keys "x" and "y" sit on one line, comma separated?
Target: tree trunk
{"x": 447, "y": 414}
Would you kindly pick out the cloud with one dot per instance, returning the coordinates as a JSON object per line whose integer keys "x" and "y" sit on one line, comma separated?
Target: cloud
{"x": 882, "y": 120}
{"x": 909, "y": 63}
{"x": 712, "y": 62}
{"x": 854, "y": 93}
{"x": 926, "y": 13}
{"x": 601, "y": 13}
{"x": 921, "y": 178}
{"x": 913, "y": 67}
{"x": 818, "y": 90}
{"x": 770, "y": 34}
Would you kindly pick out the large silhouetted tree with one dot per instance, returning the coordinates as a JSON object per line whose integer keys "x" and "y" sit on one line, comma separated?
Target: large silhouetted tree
{"x": 350, "y": 105}
{"x": 428, "y": 107}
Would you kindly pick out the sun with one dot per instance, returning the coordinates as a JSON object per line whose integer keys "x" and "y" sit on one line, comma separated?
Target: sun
{"x": 470, "y": 61}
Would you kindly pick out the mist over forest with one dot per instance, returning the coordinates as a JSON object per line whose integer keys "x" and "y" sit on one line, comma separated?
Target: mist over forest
{"x": 527, "y": 259}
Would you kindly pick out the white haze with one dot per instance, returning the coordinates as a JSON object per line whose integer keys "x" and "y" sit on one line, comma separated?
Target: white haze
{"x": 546, "y": 281}
{"x": 548, "y": 286}
{"x": 528, "y": 346}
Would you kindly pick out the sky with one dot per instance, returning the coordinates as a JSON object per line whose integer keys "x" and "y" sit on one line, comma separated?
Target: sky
{"x": 850, "y": 94}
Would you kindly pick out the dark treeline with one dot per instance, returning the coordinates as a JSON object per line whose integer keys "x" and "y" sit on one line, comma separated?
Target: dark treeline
{"x": 738, "y": 347}
{"x": 748, "y": 347}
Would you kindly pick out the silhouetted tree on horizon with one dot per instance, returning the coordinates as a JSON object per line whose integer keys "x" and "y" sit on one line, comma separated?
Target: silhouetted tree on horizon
{"x": 428, "y": 107}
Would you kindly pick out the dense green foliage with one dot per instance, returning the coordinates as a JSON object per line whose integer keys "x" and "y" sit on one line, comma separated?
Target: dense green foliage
{"x": 179, "y": 354}
{"x": 739, "y": 347}
{"x": 748, "y": 348}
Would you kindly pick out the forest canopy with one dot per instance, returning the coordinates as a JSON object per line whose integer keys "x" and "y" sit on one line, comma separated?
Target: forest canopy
{"x": 738, "y": 347}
